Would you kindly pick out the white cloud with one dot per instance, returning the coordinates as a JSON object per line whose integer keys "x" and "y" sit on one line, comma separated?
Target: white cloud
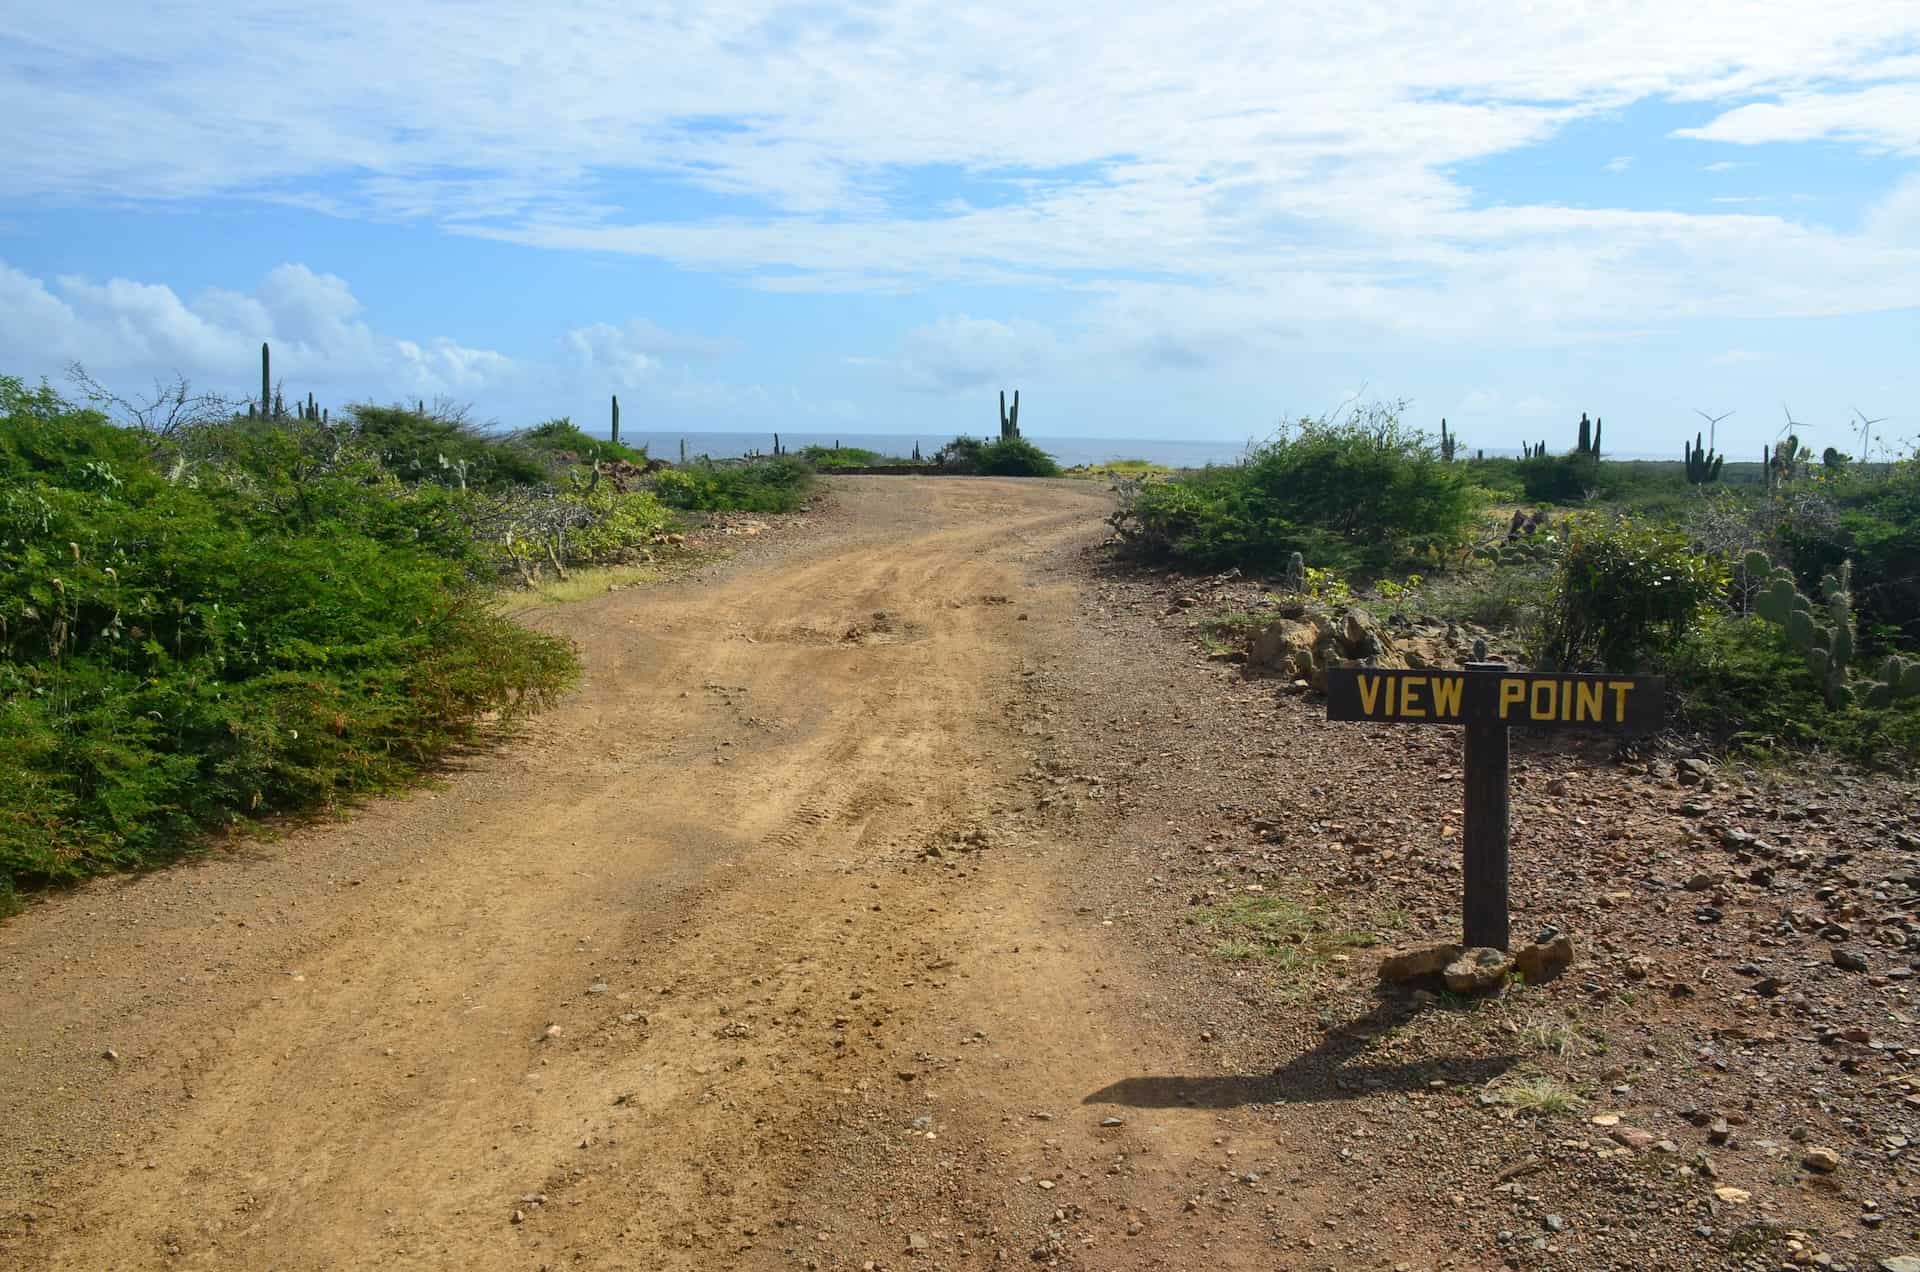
{"x": 1249, "y": 170}
{"x": 959, "y": 353}
{"x": 1619, "y": 163}
{"x": 1883, "y": 116}
{"x": 310, "y": 319}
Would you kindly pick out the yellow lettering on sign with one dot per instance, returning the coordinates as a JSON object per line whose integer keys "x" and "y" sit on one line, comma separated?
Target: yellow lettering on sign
{"x": 1512, "y": 693}
{"x": 1621, "y": 688}
{"x": 1591, "y": 707}
{"x": 1534, "y": 709}
{"x": 1446, "y": 695}
{"x": 1410, "y": 697}
{"x": 1369, "y": 693}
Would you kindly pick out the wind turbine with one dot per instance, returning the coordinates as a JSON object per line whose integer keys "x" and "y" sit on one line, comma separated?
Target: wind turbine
{"x": 1865, "y": 425}
{"x": 1790, "y": 425}
{"x": 1713, "y": 423}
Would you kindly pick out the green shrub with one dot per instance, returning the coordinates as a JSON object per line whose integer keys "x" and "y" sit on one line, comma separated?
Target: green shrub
{"x": 1740, "y": 680}
{"x": 827, "y": 458}
{"x": 1007, "y": 457}
{"x": 440, "y": 446}
{"x": 1563, "y": 479}
{"x": 768, "y": 485}
{"x": 562, "y": 436}
{"x": 184, "y": 643}
{"x": 1624, "y": 593}
{"x": 1869, "y": 514}
{"x": 1361, "y": 494}
{"x": 1016, "y": 457}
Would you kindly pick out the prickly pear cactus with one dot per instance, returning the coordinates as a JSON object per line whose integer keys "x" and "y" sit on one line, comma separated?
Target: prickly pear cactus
{"x": 1823, "y": 634}
{"x": 1898, "y": 679}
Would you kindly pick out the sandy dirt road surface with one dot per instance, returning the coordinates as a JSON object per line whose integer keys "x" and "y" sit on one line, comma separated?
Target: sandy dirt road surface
{"x": 669, "y": 982}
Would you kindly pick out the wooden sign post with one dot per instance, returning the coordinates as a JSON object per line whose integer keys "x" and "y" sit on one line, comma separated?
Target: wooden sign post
{"x": 1488, "y": 698}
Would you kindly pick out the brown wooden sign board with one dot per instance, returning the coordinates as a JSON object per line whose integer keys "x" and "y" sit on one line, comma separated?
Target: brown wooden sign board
{"x": 1628, "y": 704}
{"x": 1488, "y": 699}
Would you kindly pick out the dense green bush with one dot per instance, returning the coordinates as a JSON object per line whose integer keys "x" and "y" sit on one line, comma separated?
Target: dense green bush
{"x": 1869, "y": 514}
{"x": 1564, "y": 478}
{"x": 1624, "y": 591}
{"x": 827, "y": 458}
{"x": 768, "y": 485}
{"x": 562, "y": 436}
{"x": 1007, "y": 457}
{"x": 184, "y": 642}
{"x": 1740, "y": 680}
{"x": 440, "y": 446}
{"x": 1364, "y": 493}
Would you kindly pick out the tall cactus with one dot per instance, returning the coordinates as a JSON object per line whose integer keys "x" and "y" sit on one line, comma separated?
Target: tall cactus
{"x": 266, "y": 380}
{"x": 614, "y": 434}
{"x": 1447, "y": 441}
{"x": 1703, "y": 466}
{"x": 1823, "y": 635}
{"x": 1009, "y": 420}
{"x": 1589, "y": 437}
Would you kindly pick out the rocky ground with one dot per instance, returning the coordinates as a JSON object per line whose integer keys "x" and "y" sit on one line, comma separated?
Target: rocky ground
{"x": 1728, "y": 1076}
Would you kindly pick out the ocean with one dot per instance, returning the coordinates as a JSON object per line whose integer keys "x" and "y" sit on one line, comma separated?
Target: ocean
{"x": 1068, "y": 450}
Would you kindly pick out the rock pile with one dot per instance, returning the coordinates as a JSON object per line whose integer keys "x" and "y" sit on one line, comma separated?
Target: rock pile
{"x": 1304, "y": 641}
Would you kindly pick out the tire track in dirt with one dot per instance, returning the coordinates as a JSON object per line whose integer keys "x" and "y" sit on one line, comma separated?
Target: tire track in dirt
{"x": 667, "y": 985}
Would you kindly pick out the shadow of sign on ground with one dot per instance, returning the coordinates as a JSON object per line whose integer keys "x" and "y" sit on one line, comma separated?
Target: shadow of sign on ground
{"x": 1324, "y": 1074}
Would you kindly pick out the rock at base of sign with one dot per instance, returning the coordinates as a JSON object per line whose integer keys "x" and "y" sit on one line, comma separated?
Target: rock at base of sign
{"x": 1544, "y": 960}
{"x": 1478, "y": 970}
{"x": 1403, "y": 966}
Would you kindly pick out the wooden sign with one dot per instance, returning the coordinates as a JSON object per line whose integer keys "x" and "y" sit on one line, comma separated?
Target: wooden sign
{"x": 1621, "y": 703}
{"x": 1487, "y": 699}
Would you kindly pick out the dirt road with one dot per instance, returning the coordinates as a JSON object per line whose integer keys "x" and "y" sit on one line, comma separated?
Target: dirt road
{"x": 669, "y": 983}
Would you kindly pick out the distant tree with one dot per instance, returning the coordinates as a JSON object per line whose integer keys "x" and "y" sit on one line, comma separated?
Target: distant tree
{"x": 172, "y": 407}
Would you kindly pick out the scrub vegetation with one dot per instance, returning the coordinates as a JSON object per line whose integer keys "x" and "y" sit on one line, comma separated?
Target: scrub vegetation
{"x": 1780, "y": 599}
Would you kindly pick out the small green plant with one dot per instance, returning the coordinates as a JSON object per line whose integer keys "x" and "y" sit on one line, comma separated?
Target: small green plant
{"x": 1550, "y": 1036}
{"x": 1327, "y": 587}
{"x": 1399, "y": 596}
{"x": 1538, "y": 1095}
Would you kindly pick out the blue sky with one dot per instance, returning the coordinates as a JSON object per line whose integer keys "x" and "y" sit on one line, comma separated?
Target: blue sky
{"x": 1159, "y": 221}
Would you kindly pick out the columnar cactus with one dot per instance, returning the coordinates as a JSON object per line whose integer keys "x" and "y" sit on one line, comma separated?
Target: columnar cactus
{"x": 1703, "y": 466}
{"x": 1823, "y": 635}
{"x": 1009, "y": 420}
{"x": 614, "y": 435}
{"x": 1447, "y": 441}
{"x": 266, "y": 379}
{"x": 1589, "y": 437}
{"x": 1296, "y": 576}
